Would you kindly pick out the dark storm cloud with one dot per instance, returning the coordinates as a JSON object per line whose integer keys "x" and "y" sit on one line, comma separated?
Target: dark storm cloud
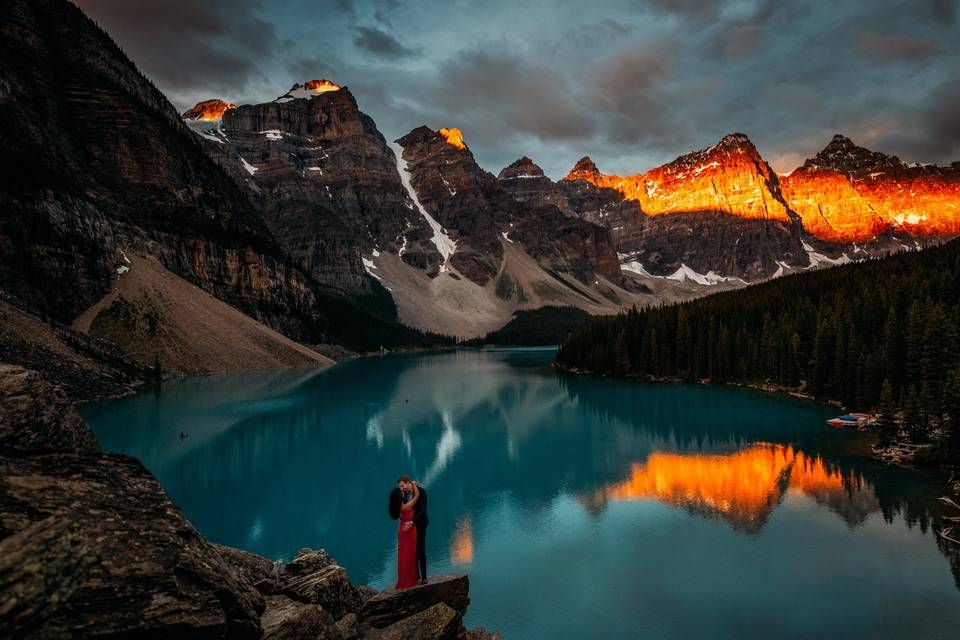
{"x": 633, "y": 83}
{"x": 896, "y": 46}
{"x": 741, "y": 40}
{"x": 189, "y": 46}
{"x": 936, "y": 133}
{"x": 505, "y": 93}
{"x": 696, "y": 10}
{"x": 627, "y": 91}
{"x": 381, "y": 43}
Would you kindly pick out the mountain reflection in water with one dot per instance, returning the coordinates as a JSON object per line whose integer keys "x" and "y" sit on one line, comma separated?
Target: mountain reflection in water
{"x": 742, "y": 487}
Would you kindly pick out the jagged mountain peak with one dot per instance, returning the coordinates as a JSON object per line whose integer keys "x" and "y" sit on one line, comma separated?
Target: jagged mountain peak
{"x": 309, "y": 89}
{"x": 208, "y": 110}
{"x": 734, "y": 140}
{"x": 584, "y": 168}
{"x": 453, "y": 136}
{"x": 521, "y": 168}
{"x": 730, "y": 146}
{"x": 450, "y": 137}
{"x": 843, "y": 155}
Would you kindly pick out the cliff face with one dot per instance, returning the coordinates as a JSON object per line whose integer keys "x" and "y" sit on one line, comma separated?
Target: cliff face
{"x": 105, "y": 164}
{"x": 322, "y": 175}
{"x": 849, "y": 193}
{"x": 729, "y": 177}
{"x": 525, "y": 181}
{"x": 480, "y": 212}
{"x": 460, "y": 196}
{"x": 716, "y": 210}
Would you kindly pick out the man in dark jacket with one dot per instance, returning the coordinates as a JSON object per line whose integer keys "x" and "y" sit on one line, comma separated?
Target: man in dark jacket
{"x": 420, "y": 521}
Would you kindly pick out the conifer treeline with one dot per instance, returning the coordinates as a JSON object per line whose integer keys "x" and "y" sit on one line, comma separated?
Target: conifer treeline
{"x": 883, "y": 333}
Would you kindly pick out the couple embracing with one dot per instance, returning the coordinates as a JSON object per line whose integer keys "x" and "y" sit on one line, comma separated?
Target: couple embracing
{"x": 408, "y": 504}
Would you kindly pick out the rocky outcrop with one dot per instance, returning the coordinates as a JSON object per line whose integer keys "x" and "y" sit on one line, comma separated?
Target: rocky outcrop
{"x": 314, "y": 577}
{"x": 847, "y": 193}
{"x": 387, "y": 607}
{"x": 439, "y": 622}
{"x": 525, "y": 181}
{"x": 286, "y": 619}
{"x": 85, "y": 367}
{"x": 35, "y": 414}
{"x": 91, "y": 545}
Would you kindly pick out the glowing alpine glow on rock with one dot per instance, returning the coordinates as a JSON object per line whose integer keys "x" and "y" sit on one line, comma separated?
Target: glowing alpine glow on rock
{"x": 729, "y": 177}
{"x": 844, "y": 194}
{"x": 208, "y": 110}
{"x": 309, "y": 89}
{"x": 453, "y": 136}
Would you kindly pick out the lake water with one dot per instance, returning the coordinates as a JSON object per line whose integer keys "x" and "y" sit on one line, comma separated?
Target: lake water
{"x": 581, "y": 508}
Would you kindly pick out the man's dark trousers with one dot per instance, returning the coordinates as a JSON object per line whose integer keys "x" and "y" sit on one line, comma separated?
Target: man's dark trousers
{"x": 421, "y": 520}
{"x": 422, "y": 550}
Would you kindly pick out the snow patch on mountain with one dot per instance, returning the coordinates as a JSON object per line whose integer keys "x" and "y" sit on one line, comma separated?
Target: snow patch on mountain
{"x": 634, "y": 266}
{"x": 249, "y": 167}
{"x": 817, "y": 259}
{"x": 445, "y": 245}
{"x": 685, "y": 274}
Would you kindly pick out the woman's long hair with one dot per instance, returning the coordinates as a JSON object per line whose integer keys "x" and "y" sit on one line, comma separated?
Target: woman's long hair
{"x": 396, "y": 499}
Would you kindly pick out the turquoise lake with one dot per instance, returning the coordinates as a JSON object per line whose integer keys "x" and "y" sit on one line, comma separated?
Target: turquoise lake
{"x": 580, "y": 507}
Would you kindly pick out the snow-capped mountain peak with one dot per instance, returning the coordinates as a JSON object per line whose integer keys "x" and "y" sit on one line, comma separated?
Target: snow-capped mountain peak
{"x": 309, "y": 89}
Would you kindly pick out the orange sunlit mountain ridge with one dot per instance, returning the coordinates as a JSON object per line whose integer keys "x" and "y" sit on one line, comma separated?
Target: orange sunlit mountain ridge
{"x": 844, "y": 194}
{"x": 208, "y": 110}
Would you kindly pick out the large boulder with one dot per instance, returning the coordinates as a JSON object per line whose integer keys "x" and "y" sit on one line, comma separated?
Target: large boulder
{"x": 90, "y": 544}
{"x": 249, "y": 566}
{"x": 439, "y": 622}
{"x": 286, "y": 619}
{"x": 35, "y": 414}
{"x": 314, "y": 578}
{"x": 392, "y": 605}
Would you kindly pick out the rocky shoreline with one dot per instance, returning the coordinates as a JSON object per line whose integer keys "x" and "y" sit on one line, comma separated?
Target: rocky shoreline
{"x": 92, "y": 546}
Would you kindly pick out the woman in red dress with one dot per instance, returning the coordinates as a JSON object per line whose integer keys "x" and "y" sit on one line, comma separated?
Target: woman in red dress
{"x": 406, "y": 537}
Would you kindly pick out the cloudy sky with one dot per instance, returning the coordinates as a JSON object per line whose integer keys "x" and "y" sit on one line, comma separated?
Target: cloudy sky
{"x": 632, "y": 83}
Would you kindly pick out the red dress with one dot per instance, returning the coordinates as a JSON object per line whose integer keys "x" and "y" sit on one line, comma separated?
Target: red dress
{"x": 406, "y": 553}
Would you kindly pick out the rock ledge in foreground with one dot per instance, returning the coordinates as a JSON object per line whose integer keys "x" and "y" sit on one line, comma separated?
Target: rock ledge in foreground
{"x": 390, "y": 606}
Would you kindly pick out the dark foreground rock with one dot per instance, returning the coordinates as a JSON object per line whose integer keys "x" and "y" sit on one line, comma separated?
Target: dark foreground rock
{"x": 387, "y": 607}
{"x": 92, "y": 546}
{"x": 26, "y": 423}
{"x": 439, "y": 622}
{"x": 287, "y": 619}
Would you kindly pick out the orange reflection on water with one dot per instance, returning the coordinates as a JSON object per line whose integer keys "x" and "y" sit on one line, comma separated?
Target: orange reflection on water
{"x": 461, "y": 550}
{"x": 743, "y": 487}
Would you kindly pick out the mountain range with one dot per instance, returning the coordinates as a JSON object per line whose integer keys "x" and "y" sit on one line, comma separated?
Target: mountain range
{"x": 302, "y": 216}
{"x": 460, "y": 250}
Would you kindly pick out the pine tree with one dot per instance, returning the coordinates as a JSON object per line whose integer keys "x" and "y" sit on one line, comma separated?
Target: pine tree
{"x": 951, "y": 409}
{"x": 887, "y": 430}
{"x": 913, "y": 419}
